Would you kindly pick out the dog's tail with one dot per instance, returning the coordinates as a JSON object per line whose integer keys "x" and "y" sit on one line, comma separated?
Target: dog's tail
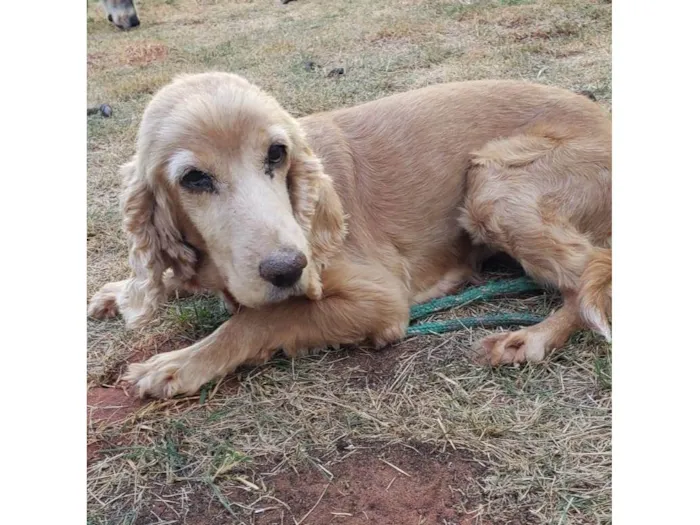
{"x": 595, "y": 294}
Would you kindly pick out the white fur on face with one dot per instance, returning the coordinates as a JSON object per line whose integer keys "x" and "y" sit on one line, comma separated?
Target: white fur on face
{"x": 180, "y": 162}
{"x": 248, "y": 218}
{"x": 278, "y": 135}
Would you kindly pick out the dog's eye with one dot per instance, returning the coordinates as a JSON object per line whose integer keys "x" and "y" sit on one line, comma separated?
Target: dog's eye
{"x": 276, "y": 154}
{"x": 197, "y": 181}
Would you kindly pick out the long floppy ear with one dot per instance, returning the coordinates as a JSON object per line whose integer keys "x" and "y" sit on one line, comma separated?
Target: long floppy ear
{"x": 317, "y": 208}
{"x": 155, "y": 244}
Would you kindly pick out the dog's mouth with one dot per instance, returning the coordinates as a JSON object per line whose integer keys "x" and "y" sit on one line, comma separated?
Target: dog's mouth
{"x": 277, "y": 294}
{"x": 273, "y": 295}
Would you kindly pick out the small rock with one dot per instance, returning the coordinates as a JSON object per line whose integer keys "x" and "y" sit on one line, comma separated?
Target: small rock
{"x": 103, "y": 109}
{"x": 336, "y": 72}
{"x": 310, "y": 65}
{"x": 285, "y": 2}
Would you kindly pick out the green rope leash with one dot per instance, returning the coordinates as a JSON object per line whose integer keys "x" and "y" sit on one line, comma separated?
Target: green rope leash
{"x": 479, "y": 293}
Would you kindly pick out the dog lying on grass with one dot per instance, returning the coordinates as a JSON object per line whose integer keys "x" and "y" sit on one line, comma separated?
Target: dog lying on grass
{"x": 326, "y": 229}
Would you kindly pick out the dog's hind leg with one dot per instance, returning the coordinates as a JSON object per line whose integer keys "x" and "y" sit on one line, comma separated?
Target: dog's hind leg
{"x": 450, "y": 283}
{"x": 532, "y": 344}
{"x": 544, "y": 209}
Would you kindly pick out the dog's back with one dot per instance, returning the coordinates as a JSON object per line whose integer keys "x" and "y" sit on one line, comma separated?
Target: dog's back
{"x": 401, "y": 164}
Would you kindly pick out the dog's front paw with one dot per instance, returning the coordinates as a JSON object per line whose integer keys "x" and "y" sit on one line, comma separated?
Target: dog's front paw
{"x": 166, "y": 375}
{"x": 103, "y": 304}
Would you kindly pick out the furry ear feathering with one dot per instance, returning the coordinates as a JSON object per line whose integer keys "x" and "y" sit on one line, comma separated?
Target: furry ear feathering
{"x": 317, "y": 208}
{"x": 155, "y": 244}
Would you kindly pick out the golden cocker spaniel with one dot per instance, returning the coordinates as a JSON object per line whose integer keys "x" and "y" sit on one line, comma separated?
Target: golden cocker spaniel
{"x": 324, "y": 230}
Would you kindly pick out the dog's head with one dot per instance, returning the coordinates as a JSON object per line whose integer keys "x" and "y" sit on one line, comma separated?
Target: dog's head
{"x": 224, "y": 179}
{"x": 121, "y": 13}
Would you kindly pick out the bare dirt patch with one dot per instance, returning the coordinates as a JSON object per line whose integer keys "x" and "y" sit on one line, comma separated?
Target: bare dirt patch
{"x": 132, "y": 54}
{"x": 142, "y": 53}
{"x": 107, "y": 405}
{"x": 388, "y": 486}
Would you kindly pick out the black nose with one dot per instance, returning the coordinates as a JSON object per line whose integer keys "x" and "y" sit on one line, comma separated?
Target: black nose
{"x": 134, "y": 21}
{"x": 283, "y": 268}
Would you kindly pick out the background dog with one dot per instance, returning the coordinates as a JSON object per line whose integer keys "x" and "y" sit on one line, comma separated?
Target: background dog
{"x": 121, "y": 13}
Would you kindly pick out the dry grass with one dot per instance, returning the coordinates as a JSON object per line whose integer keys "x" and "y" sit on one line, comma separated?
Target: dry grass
{"x": 541, "y": 434}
